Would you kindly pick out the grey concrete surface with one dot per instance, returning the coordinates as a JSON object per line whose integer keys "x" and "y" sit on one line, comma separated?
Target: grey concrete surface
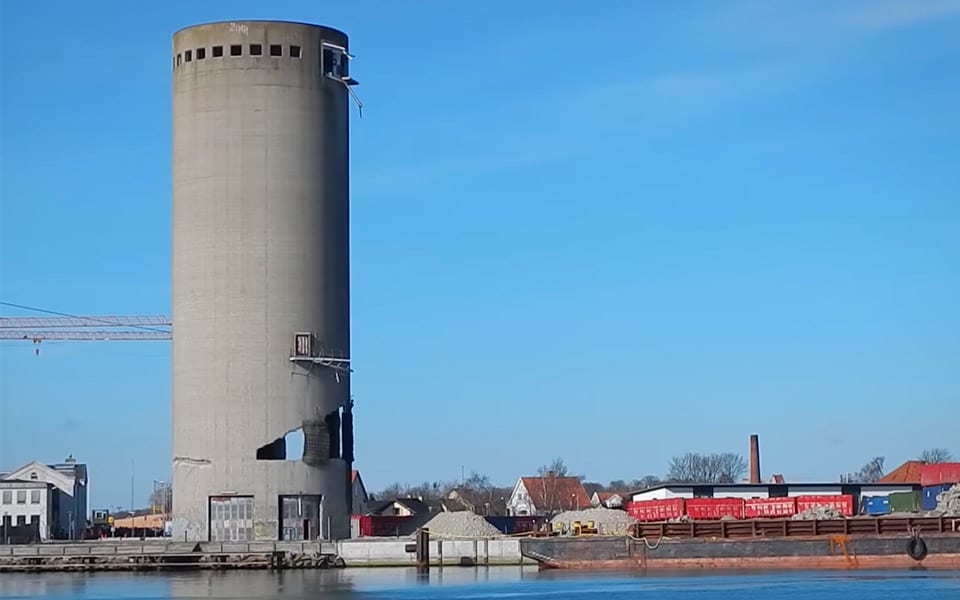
{"x": 260, "y": 251}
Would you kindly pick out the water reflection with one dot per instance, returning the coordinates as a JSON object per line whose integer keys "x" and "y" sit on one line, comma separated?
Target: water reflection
{"x": 494, "y": 582}
{"x": 289, "y": 585}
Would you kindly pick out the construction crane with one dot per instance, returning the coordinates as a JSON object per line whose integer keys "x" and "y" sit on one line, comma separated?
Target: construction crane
{"x": 83, "y": 328}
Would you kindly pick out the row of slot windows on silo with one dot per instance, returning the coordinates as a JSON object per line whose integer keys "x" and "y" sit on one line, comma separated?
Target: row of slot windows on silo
{"x": 236, "y": 50}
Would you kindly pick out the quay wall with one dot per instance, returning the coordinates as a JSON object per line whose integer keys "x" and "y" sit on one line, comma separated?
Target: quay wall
{"x": 366, "y": 552}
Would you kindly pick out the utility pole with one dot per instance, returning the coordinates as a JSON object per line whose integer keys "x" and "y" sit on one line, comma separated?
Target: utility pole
{"x": 131, "y": 485}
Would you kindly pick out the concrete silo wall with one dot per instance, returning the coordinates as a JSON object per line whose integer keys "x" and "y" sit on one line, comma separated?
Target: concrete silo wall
{"x": 260, "y": 253}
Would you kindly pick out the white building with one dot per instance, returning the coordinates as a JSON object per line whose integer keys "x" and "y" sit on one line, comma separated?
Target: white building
{"x": 61, "y": 490}
{"x": 24, "y": 503}
{"x": 540, "y": 496}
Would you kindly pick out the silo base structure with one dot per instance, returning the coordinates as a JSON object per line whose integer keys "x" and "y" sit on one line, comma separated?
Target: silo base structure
{"x": 261, "y": 282}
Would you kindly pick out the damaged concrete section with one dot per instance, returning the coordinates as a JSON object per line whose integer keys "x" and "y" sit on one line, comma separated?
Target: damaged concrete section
{"x": 288, "y": 447}
{"x": 315, "y": 442}
{"x": 191, "y": 462}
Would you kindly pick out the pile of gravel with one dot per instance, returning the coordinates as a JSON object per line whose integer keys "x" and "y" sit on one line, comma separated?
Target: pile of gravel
{"x": 948, "y": 502}
{"x": 608, "y": 521}
{"x": 461, "y": 524}
{"x": 818, "y": 513}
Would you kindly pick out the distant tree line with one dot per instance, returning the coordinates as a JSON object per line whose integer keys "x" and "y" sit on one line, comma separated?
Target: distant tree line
{"x": 691, "y": 467}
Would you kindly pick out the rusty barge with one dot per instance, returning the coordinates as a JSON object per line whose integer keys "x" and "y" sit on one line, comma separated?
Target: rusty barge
{"x": 772, "y": 544}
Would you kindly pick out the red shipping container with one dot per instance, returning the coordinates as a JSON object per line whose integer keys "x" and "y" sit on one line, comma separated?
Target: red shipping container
{"x": 714, "y": 508}
{"x": 381, "y": 526}
{"x": 843, "y": 504}
{"x": 939, "y": 474}
{"x": 656, "y": 510}
{"x": 762, "y": 508}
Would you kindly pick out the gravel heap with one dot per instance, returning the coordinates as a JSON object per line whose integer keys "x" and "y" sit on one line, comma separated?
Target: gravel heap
{"x": 818, "y": 513}
{"x": 948, "y": 502}
{"x": 461, "y": 524}
{"x": 608, "y": 521}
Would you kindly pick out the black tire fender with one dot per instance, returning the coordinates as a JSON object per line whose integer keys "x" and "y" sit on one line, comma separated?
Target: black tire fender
{"x": 917, "y": 548}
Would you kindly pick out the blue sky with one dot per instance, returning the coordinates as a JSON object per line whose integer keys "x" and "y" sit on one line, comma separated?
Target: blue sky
{"x": 611, "y": 235}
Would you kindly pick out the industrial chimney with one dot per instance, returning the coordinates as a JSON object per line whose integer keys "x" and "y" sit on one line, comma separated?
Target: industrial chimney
{"x": 754, "y": 459}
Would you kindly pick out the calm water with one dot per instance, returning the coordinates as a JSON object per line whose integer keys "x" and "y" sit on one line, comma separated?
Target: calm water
{"x": 494, "y": 583}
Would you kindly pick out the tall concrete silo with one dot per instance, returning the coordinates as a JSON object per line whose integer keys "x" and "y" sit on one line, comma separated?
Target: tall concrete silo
{"x": 261, "y": 300}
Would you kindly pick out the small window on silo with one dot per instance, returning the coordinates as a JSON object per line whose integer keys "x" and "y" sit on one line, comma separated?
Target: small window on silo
{"x": 201, "y": 53}
{"x": 276, "y": 50}
{"x": 335, "y": 62}
{"x": 236, "y": 50}
{"x": 256, "y": 50}
{"x": 303, "y": 344}
{"x": 179, "y": 57}
{"x": 187, "y": 55}
{"x": 294, "y": 51}
{"x": 217, "y": 51}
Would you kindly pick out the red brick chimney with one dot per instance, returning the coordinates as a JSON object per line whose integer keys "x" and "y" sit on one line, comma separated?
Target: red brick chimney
{"x": 754, "y": 459}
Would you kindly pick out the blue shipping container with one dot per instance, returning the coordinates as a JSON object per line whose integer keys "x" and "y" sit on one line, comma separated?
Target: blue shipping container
{"x": 876, "y": 505}
{"x": 928, "y": 497}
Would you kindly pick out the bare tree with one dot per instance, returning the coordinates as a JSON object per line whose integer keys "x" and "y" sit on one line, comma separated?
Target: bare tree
{"x": 429, "y": 492}
{"x": 936, "y": 455}
{"x": 871, "y": 472}
{"x": 593, "y": 486}
{"x": 552, "y": 487}
{"x": 691, "y": 467}
{"x": 646, "y": 482}
{"x": 557, "y": 468}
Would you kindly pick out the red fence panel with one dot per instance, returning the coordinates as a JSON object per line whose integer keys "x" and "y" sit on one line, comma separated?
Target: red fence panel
{"x": 714, "y": 508}
{"x": 939, "y": 474}
{"x": 762, "y": 508}
{"x": 843, "y": 504}
{"x": 656, "y": 510}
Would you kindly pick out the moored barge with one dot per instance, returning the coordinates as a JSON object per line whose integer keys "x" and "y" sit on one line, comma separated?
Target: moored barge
{"x": 867, "y": 543}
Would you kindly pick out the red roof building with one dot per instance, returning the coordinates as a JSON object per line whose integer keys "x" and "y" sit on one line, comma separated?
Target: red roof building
{"x": 547, "y": 495}
{"x": 908, "y": 472}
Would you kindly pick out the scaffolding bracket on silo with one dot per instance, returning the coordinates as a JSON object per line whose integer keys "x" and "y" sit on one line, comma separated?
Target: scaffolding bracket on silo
{"x": 338, "y": 364}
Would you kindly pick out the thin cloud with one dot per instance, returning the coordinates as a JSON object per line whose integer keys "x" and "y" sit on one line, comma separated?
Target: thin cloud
{"x": 880, "y": 16}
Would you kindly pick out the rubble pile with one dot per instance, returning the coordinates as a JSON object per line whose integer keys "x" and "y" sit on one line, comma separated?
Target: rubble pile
{"x": 461, "y": 524}
{"x": 948, "y": 502}
{"x": 818, "y": 513}
{"x": 608, "y": 521}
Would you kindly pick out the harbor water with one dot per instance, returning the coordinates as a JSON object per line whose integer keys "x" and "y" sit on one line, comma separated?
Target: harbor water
{"x": 469, "y": 583}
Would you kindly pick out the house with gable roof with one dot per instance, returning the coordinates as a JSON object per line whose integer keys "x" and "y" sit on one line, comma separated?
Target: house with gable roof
{"x": 545, "y": 496}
